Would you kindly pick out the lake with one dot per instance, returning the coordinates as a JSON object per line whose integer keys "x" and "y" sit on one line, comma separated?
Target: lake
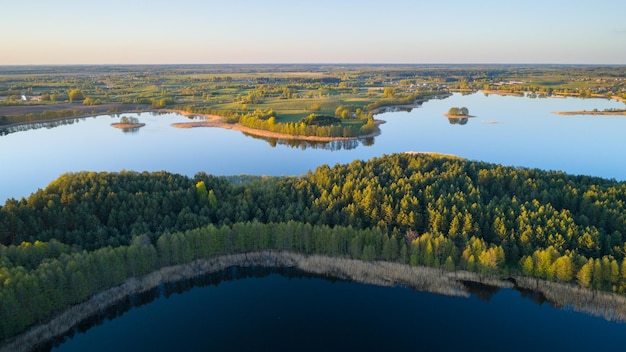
{"x": 508, "y": 130}
{"x": 244, "y": 309}
{"x": 285, "y": 311}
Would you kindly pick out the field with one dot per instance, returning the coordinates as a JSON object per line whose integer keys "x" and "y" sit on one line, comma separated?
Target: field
{"x": 288, "y": 93}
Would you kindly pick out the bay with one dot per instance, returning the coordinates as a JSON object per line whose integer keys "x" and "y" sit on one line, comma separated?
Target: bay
{"x": 281, "y": 312}
{"x": 515, "y": 131}
{"x": 285, "y": 310}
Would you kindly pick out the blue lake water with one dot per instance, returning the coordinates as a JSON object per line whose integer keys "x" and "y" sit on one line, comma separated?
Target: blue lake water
{"x": 285, "y": 313}
{"x": 508, "y": 130}
{"x": 291, "y": 311}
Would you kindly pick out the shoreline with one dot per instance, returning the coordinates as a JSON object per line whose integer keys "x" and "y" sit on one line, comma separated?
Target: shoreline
{"x": 218, "y": 121}
{"x": 127, "y": 125}
{"x": 375, "y": 273}
{"x": 458, "y": 116}
{"x": 211, "y": 121}
{"x": 435, "y": 154}
{"x": 591, "y": 112}
{"x": 80, "y": 116}
{"x": 427, "y": 279}
{"x": 416, "y": 104}
{"x": 503, "y": 92}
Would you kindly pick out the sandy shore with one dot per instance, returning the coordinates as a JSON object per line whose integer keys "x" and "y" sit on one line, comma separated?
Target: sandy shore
{"x": 623, "y": 100}
{"x": 218, "y": 121}
{"x": 458, "y": 116}
{"x": 127, "y": 125}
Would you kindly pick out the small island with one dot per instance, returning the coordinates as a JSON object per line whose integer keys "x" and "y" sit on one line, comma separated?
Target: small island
{"x": 128, "y": 123}
{"x": 458, "y": 113}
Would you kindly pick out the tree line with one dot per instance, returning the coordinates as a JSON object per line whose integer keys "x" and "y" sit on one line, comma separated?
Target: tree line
{"x": 415, "y": 209}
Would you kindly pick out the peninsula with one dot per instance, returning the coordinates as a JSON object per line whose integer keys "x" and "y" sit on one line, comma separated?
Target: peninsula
{"x": 609, "y": 112}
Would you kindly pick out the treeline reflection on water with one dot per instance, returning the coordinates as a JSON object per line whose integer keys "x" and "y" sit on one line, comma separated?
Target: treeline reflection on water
{"x": 38, "y": 125}
{"x": 336, "y": 145}
{"x": 482, "y": 291}
{"x": 179, "y": 287}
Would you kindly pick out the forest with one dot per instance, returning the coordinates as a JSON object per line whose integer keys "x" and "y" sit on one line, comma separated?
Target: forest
{"x": 89, "y": 231}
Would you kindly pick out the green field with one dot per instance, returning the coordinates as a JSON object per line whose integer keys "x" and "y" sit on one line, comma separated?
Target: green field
{"x": 291, "y": 92}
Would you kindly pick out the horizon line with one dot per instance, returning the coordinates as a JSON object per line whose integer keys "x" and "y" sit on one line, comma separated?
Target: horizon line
{"x": 322, "y": 63}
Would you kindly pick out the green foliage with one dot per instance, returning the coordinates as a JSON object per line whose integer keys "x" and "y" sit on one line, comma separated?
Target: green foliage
{"x": 91, "y": 101}
{"x": 456, "y": 111}
{"x": 320, "y": 120}
{"x": 306, "y": 127}
{"x": 161, "y": 103}
{"x": 46, "y": 115}
{"x": 129, "y": 120}
{"x": 344, "y": 112}
{"x": 389, "y": 92}
{"x": 75, "y": 94}
{"x": 93, "y": 230}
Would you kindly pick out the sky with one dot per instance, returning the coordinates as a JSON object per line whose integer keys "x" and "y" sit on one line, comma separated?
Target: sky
{"x": 316, "y": 31}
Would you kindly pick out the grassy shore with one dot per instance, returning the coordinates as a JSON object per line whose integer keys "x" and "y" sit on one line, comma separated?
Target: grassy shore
{"x": 218, "y": 121}
{"x": 606, "y": 305}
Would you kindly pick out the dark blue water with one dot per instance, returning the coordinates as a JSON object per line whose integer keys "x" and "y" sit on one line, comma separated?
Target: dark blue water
{"x": 291, "y": 311}
{"x": 280, "y": 313}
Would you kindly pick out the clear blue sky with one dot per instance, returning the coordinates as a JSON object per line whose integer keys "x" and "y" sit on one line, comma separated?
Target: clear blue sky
{"x": 318, "y": 31}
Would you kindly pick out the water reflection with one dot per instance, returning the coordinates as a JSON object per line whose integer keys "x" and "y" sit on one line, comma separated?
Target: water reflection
{"x": 485, "y": 292}
{"x": 131, "y": 130}
{"x": 458, "y": 120}
{"x": 535, "y": 296}
{"x": 396, "y": 109}
{"x": 303, "y": 145}
{"x": 482, "y": 291}
{"x": 168, "y": 289}
{"x": 41, "y": 124}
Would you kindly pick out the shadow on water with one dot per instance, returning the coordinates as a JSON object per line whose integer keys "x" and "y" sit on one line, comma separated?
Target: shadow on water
{"x": 485, "y": 292}
{"x": 38, "y": 125}
{"x": 133, "y": 130}
{"x": 482, "y": 291}
{"x": 301, "y": 144}
{"x": 458, "y": 120}
{"x": 168, "y": 289}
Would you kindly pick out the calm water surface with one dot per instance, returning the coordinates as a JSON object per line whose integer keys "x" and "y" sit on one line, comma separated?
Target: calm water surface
{"x": 286, "y": 313}
{"x": 509, "y": 130}
{"x": 296, "y": 312}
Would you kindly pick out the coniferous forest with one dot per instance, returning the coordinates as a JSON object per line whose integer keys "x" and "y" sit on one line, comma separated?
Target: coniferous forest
{"x": 89, "y": 231}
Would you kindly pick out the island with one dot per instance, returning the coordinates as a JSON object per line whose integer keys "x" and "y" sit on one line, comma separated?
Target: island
{"x": 128, "y": 123}
{"x": 458, "y": 113}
